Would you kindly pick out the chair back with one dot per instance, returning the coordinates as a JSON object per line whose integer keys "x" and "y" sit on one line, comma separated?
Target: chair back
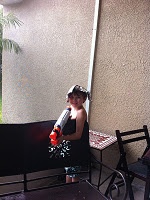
{"x": 136, "y": 168}
{"x": 133, "y": 136}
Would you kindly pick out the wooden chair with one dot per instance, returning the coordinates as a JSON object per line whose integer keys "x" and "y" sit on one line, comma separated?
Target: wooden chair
{"x": 138, "y": 169}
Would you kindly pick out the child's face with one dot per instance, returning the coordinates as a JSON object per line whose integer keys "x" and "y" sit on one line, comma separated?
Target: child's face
{"x": 76, "y": 100}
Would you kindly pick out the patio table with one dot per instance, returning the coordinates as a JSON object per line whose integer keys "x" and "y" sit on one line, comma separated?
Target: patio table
{"x": 100, "y": 141}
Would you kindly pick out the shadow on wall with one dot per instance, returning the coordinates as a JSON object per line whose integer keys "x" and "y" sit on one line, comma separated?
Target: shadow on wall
{"x": 0, "y": 96}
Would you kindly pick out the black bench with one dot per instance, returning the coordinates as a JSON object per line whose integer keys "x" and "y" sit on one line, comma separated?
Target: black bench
{"x": 24, "y": 150}
{"x": 25, "y": 156}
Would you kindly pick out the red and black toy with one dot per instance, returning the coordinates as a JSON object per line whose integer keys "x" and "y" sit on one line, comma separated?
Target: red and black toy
{"x": 60, "y": 123}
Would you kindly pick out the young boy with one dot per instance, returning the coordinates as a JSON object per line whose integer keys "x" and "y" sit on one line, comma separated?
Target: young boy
{"x": 76, "y": 130}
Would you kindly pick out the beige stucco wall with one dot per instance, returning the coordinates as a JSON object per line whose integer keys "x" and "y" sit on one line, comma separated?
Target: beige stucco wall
{"x": 121, "y": 89}
{"x": 56, "y": 40}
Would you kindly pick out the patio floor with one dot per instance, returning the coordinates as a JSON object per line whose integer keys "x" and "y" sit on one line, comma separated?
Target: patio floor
{"x": 138, "y": 186}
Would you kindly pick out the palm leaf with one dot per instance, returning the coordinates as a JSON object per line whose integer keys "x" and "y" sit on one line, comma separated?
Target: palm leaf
{"x": 9, "y": 19}
{"x": 9, "y": 45}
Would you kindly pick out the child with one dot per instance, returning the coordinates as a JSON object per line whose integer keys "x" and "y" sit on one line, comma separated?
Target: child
{"x": 76, "y": 129}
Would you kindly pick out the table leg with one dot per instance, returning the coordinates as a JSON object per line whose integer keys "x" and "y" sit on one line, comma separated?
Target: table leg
{"x": 100, "y": 172}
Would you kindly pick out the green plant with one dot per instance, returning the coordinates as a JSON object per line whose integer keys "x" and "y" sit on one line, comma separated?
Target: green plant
{"x": 5, "y": 43}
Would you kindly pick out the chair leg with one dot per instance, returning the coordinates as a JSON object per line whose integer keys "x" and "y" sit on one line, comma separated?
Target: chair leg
{"x": 110, "y": 183}
{"x": 147, "y": 190}
{"x": 113, "y": 178}
{"x": 129, "y": 187}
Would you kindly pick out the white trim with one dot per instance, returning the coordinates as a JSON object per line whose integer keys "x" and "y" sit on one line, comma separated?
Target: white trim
{"x": 90, "y": 75}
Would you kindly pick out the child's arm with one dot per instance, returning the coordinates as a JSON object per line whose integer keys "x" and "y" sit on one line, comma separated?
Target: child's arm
{"x": 80, "y": 120}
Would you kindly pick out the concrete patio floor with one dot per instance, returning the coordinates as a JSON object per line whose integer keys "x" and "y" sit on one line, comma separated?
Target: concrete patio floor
{"x": 138, "y": 186}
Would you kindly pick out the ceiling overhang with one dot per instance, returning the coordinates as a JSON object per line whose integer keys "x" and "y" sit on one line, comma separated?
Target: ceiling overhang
{"x": 9, "y": 2}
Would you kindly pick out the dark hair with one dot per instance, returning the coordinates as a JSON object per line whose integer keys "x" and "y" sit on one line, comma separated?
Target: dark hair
{"x": 76, "y": 89}
{"x": 77, "y": 92}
